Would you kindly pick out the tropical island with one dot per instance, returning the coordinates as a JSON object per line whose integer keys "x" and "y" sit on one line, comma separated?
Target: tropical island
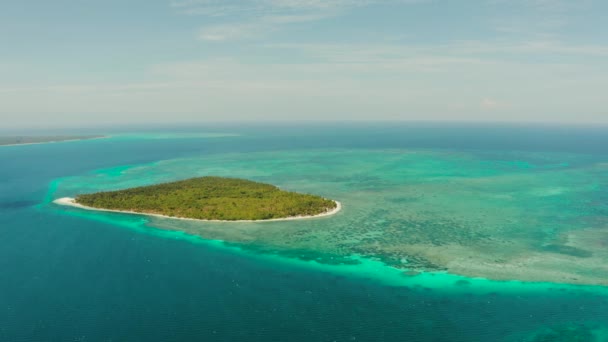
{"x": 210, "y": 199}
{"x": 39, "y": 139}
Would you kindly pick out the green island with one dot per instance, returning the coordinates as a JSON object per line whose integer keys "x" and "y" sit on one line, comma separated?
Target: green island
{"x": 211, "y": 198}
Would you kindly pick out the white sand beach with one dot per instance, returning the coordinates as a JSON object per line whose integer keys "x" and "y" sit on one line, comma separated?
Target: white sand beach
{"x": 55, "y": 141}
{"x": 68, "y": 201}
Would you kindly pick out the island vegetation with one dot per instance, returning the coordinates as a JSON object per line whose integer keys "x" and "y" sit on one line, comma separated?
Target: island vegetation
{"x": 211, "y": 198}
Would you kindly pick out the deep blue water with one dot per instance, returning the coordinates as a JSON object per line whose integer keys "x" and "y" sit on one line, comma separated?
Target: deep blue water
{"x": 64, "y": 278}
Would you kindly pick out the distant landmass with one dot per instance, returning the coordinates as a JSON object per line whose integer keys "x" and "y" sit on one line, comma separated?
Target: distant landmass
{"x": 209, "y": 198}
{"x": 24, "y": 140}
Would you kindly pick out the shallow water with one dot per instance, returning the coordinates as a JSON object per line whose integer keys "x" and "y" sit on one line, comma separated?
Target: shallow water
{"x": 534, "y": 216}
{"x": 418, "y": 201}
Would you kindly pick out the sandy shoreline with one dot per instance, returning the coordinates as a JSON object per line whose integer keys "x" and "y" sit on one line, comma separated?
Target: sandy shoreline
{"x": 55, "y": 141}
{"x": 68, "y": 201}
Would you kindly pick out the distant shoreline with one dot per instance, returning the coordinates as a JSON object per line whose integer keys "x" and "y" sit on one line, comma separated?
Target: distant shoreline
{"x": 68, "y": 201}
{"x": 55, "y": 141}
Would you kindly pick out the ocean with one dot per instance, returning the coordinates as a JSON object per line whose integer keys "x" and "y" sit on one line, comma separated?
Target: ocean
{"x": 440, "y": 225}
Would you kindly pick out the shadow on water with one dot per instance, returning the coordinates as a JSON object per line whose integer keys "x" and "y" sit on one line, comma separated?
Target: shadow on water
{"x": 17, "y": 205}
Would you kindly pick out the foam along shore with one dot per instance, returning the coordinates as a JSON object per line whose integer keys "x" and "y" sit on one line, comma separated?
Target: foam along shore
{"x": 68, "y": 201}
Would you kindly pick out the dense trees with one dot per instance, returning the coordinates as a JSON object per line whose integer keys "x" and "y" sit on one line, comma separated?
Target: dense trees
{"x": 213, "y": 198}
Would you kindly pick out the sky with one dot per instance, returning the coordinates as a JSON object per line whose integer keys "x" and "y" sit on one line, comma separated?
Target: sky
{"x": 88, "y": 62}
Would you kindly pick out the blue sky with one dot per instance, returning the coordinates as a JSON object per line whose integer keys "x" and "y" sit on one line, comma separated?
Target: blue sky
{"x": 102, "y": 62}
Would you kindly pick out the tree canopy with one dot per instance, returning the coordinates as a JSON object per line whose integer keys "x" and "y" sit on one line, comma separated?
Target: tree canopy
{"x": 211, "y": 198}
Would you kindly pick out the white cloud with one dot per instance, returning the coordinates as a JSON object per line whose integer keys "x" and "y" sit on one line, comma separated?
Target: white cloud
{"x": 430, "y": 87}
{"x": 461, "y": 52}
{"x": 252, "y": 29}
{"x": 235, "y": 7}
{"x": 535, "y": 18}
{"x": 319, "y": 4}
{"x": 503, "y": 79}
{"x": 229, "y": 32}
{"x": 252, "y": 18}
{"x": 490, "y": 104}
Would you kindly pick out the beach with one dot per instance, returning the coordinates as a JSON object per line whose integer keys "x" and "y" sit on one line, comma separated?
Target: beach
{"x": 54, "y": 141}
{"x": 69, "y": 201}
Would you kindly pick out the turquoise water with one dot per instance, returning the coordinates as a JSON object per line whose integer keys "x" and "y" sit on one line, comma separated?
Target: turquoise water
{"x": 434, "y": 217}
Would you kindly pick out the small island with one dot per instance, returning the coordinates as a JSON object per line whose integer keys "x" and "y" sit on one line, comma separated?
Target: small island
{"x": 209, "y": 199}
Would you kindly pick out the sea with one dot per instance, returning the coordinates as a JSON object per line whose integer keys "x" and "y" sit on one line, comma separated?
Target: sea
{"x": 439, "y": 223}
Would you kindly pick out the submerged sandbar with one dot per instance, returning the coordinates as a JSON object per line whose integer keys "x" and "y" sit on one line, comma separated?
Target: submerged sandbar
{"x": 214, "y": 199}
